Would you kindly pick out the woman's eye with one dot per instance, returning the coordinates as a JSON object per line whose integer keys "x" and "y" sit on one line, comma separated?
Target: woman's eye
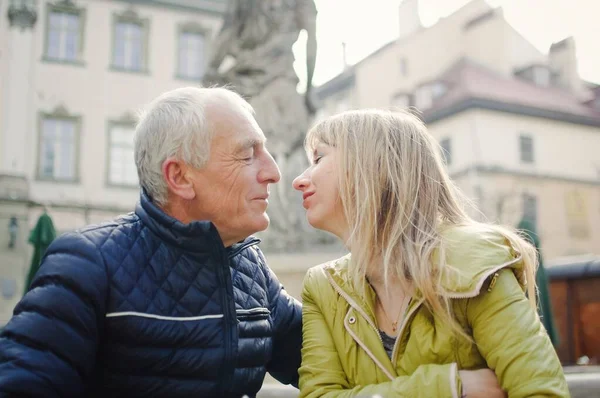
{"x": 317, "y": 159}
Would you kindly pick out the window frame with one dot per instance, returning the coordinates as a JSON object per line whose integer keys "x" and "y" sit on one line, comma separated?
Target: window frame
{"x": 193, "y": 28}
{"x": 111, "y": 124}
{"x": 62, "y": 115}
{"x": 131, "y": 17}
{"x": 65, "y": 7}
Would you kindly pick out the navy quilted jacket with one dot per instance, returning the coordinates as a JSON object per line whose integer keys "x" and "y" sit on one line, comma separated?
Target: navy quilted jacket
{"x": 149, "y": 307}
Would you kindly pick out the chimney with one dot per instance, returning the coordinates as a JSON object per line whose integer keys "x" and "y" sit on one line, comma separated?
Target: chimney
{"x": 562, "y": 60}
{"x": 409, "y": 20}
{"x": 344, "y": 59}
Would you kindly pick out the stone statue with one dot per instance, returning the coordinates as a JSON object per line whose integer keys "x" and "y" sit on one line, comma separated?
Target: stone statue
{"x": 253, "y": 55}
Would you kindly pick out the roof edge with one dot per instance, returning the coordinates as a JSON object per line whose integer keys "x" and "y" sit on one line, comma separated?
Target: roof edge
{"x": 507, "y": 107}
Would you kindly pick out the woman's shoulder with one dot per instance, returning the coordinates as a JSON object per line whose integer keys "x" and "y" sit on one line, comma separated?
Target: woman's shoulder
{"x": 319, "y": 276}
{"x": 334, "y": 268}
{"x": 470, "y": 254}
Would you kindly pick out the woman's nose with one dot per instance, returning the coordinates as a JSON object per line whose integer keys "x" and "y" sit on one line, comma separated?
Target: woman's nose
{"x": 300, "y": 182}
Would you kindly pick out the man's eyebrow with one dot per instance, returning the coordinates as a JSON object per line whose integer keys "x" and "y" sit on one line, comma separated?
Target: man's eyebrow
{"x": 248, "y": 144}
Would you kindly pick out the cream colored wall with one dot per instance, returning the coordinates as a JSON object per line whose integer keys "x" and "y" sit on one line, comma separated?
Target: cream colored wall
{"x": 430, "y": 52}
{"x": 562, "y": 206}
{"x": 13, "y": 262}
{"x": 561, "y": 149}
{"x": 99, "y": 94}
{"x": 3, "y": 61}
{"x": 521, "y": 52}
{"x": 340, "y": 102}
{"x": 461, "y": 130}
{"x": 566, "y": 166}
{"x": 491, "y": 139}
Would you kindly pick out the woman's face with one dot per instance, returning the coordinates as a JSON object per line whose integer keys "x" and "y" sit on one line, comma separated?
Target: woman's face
{"x": 320, "y": 191}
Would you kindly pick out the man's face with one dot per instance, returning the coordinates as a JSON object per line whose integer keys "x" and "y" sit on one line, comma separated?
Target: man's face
{"x": 232, "y": 189}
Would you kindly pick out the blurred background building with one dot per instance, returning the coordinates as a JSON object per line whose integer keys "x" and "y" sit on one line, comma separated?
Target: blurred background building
{"x": 73, "y": 74}
{"x": 518, "y": 127}
{"x": 520, "y": 130}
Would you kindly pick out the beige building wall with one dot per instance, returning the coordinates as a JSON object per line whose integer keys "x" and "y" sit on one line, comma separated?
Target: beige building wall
{"x": 91, "y": 91}
{"x": 564, "y": 177}
{"x": 568, "y": 211}
{"x": 491, "y": 139}
{"x": 401, "y": 66}
{"x": 98, "y": 94}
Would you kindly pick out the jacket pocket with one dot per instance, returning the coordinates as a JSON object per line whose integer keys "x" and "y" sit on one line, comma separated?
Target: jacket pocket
{"x": 254, "y": 323}
{"x": 252, "y": 314}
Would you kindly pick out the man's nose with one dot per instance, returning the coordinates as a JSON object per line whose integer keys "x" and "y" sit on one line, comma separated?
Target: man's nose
{"x": 270, "y": 171}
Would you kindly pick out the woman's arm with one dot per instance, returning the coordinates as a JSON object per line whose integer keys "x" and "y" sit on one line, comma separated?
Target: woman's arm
{"x": 511, "y": 338}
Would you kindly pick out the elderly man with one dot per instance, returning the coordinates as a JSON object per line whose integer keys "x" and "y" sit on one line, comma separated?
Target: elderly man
{"x": 175, "y": 299}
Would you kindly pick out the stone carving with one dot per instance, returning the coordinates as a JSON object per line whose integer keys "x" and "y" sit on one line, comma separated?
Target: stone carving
{"x": 253, "y": 55}
{"x": 22, "y": 14}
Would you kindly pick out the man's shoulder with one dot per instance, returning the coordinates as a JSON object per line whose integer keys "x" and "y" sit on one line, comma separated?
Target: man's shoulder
{"x": 248, "y": 257}
{"x": 95, "y": 236}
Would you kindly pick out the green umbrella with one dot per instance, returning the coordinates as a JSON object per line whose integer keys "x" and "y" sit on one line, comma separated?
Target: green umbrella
{"x": 541, "y": 280}
{"x": 41, "y": 236}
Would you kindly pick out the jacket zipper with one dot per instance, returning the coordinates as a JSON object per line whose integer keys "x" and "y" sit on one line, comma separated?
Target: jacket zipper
{"x": 402, "y": 327}
{"x": 229, "y": 316}
{"x": 251, "y": 314}
{"x": 229, "y": 311}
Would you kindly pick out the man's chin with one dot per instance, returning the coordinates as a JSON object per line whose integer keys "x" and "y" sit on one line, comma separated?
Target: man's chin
{"x": 262, "y": 223}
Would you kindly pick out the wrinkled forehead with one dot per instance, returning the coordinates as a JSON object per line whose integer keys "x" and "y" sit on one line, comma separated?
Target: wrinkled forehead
{"x": 234, "y": 126}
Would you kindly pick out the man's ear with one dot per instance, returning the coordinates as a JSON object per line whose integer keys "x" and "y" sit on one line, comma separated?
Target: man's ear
{"x": 176, "y": 174}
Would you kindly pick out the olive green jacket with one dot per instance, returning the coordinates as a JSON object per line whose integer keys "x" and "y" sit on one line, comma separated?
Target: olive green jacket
{"x": 343, "y": 356}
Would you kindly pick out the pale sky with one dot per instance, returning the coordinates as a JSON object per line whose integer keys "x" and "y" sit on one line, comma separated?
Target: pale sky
{"x": 366, "y": 25}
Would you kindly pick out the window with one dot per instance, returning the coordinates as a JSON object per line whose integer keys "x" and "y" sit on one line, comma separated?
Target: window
{"x": 121, "y": 163}
{"x": 526, "y": 148}
{"x": 191, "y": 57}
{"x": 64, "y": 38}
{"x": 428, "y": 93}
{"x": 130, "y": 43}
{"x": 578, "y": 216}
{"x": 57, "y": 154}
{"x": 542, "y": 76}
{"x": 530, "y": 208}
{"x": 446, "y": 150}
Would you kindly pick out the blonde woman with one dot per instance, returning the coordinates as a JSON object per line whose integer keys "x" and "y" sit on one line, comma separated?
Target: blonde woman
{"x": 426, "y": 293}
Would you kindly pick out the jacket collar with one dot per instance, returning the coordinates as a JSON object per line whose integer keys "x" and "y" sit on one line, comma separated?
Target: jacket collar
{"x": 472, "y": 254}
{"x": 197, "y": 236}
{"x": 337, "y": 272}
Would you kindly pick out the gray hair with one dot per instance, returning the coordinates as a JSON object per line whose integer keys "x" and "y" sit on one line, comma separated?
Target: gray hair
{"x": 175, "y": 125}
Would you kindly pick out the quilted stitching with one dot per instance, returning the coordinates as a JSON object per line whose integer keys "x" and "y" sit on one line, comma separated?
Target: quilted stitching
{"x": 144, "y": 263}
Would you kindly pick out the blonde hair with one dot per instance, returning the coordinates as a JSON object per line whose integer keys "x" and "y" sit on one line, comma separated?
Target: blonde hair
{"x": 396, "y": 193}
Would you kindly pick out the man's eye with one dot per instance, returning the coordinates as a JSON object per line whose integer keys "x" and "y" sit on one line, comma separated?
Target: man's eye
{"x": 248, "y": 156}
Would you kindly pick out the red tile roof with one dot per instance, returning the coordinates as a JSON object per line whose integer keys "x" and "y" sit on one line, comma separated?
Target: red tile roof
{"x": 468, "y": 80}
